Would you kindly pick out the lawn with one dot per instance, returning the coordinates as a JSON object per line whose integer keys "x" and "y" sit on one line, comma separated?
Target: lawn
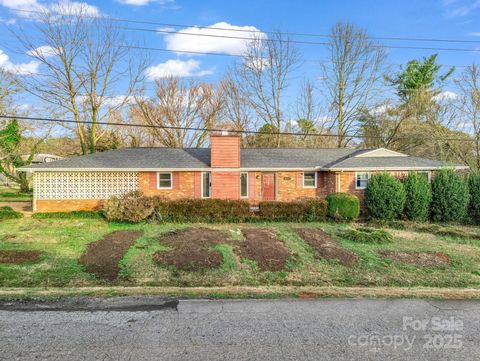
{"x": 13, "y": 194}
{"x": 63, "y": 241}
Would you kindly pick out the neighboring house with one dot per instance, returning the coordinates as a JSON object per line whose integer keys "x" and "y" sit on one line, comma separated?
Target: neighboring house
{"x": 223, "y": 171}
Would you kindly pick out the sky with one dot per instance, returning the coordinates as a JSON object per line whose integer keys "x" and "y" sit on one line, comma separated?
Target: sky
{"x": 439, "y": 19}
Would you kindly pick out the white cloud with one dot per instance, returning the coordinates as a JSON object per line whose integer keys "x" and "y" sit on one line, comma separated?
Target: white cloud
{"x": 474, "y": 33}
{"x": 45, "y": 51}
{"x": 28, "y": 8}
{"x": 178, "y": 68}
{"x": 446, "y": 95}
{"x": 143, "y": 2}
{"x": 456, "y": 10}
{"x": 211, "y": 44}
{"x": 20, "y": 68}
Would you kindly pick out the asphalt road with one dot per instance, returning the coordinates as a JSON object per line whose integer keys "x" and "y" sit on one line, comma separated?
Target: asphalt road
{"x": 149, "y": 329}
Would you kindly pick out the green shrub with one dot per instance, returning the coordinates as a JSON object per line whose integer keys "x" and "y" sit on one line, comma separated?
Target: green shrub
{"x": 68, "y": 215}
{"x": 384, "y": 197}
{"x": 343, "y": 206}
{"x": 367, "y": 235}
{"x": 133, "y": 207}
{"x": 474, "y": 204}
{"x": 203, "y": 210}
{"x": 7, "y": 212}
{"x": 418, "y": 194}
{"x": 317, "y": 210}
{"x": 449, "y": 197}
{"x": 283, "y": 211}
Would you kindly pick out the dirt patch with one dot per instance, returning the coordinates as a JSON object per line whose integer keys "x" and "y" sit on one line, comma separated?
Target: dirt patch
{"x": 102, "y": 257}
{"x": 19, "y": 256}
{"x": 429, "y": 259}
{"x": 263, "y": 247}
{"x": 191, "y": 249}
{"x": 326, "y": 247}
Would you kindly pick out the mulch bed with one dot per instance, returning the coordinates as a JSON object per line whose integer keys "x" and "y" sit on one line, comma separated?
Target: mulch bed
{"x": 263, "y": 247}
{"x": 102, "y": 257}
{"x": 191, "y": 249}
{"x": 19, "y": 256}
{"x": 326, "y": 247}
{"x": 429, "y": 259}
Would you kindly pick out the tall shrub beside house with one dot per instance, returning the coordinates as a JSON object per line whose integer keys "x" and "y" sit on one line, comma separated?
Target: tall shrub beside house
{"x": 449, "y": 197}
{"x": 384, "y": 197}
{"x": 474, "y": 191}
{"x": 418, "y": 194}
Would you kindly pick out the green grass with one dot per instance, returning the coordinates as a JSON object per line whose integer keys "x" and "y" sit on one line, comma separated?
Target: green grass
{"x": 12, "y": 194}
{"x": 64, "y": 240}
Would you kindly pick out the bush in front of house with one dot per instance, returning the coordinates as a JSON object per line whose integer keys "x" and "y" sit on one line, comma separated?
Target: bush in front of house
{"x": 203, "y": 210}
{"x": 343, "y": 206}
{"x": 7, "y": 212}
{"x": 450, "y": 197}
{"x": 311, "y": 210}
{"x": 474, "y": 203}
{"x": 384, "y": 197}
{"x": 317, "y": 210}
{"x": 418, "y": 194}
{"x": 133, "y": 207}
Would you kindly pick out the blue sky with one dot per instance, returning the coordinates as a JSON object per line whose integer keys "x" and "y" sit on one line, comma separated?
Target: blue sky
{"x": 450, "y": 19}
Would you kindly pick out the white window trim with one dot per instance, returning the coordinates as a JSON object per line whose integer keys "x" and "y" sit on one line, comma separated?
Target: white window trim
{"x": 248, "y": 189}
{"x": 356, "y": 178}
{"x": 315, "y": 178}
{"x": 201, "y": 185}
{"x": 158, "y": 180}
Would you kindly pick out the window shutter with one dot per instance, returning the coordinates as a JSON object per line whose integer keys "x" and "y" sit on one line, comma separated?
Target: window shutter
{"x": 251, "y": 184}
{"x": 175, "y": 180}
{"x": 300, "y": 180}
{"x": 152, "y": 180}
{"x": 197, "y": 185}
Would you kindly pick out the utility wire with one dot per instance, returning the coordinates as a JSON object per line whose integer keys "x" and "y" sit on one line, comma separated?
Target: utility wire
{"x": 393, "y": 38}
{"x": 210, "y": 129}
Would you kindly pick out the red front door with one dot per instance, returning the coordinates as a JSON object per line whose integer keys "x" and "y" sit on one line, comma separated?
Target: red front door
{"x": 268, "y": 186}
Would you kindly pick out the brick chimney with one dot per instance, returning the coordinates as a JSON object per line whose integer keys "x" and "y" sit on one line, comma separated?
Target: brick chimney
{"x": 225, "y": 150}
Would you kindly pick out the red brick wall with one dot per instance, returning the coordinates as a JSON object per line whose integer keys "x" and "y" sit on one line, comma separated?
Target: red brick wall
{"x": 183, "y": 185}
{"x": 226, "y": 185}
{"x": 225, "y": 151}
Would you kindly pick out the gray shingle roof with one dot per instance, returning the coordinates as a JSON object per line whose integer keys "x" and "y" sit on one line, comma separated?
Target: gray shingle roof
{"x": 386, "y": 162}
{"x": 263, "y": 158}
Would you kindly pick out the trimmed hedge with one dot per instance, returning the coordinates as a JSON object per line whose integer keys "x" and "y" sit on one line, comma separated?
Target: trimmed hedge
{"x": 474, "y": 204}
{"x": 7, "y": 212}
{"x": 203, "y": 211}
{"x": 68, "y": 215}
{"x": 343, "y": 206}
{"x": 384, "y": 197}
{"x": 449, "y": 197}
{"x": 418, "y": 197}
{"x": 301, "y": 211}
{"x": 133, "y": 207}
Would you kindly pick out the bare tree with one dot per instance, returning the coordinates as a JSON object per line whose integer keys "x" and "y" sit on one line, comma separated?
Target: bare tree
{"x": 469, "y": 107}
{"x": 263, "y": 76}
{"x": 350, "y": 77}
{"x": 86, "y": 71}
{"x": 177, "y": 105}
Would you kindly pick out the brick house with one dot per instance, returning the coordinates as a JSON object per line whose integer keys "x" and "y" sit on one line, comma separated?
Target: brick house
{"x": 222, "y": 171}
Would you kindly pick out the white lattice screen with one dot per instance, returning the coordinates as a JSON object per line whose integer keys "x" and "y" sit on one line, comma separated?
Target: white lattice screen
{"x": 83, "y": 185}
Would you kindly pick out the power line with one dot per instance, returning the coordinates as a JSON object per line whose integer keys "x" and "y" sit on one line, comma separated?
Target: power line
{"x": 211, "y": 129}
{"x": 393, "y": 38}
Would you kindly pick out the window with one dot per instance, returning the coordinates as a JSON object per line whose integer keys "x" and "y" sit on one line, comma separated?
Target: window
{"x": 164, "y": 180}
{"x": 244, "y": 184}
{"x": 361, "y": 180}
{"x": 206, "y": 185}
{"x": 309, "y": 180}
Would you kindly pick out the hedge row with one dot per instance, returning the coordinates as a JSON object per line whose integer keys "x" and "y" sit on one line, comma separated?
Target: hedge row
{"x": 446, "y": 199}
{"x": 134, "y": 207}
